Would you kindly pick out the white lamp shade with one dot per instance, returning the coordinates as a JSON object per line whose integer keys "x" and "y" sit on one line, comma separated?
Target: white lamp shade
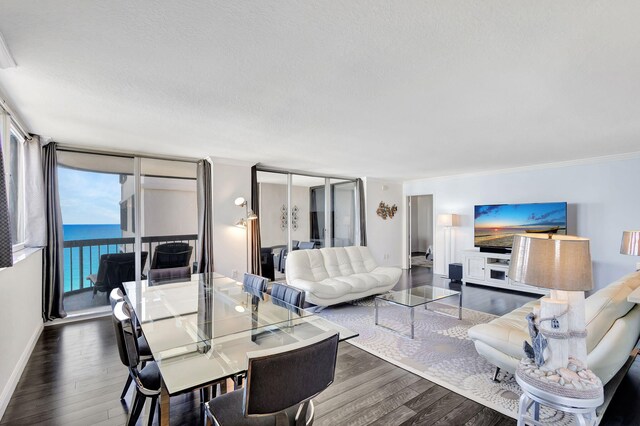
{"x": 630, "y": 243}
{"x": 448, "y": 219}
{"x": 240, "y": 202}
{"x": 560, "y": 262}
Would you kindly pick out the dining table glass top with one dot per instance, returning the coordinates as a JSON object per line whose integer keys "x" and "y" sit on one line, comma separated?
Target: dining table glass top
{"x": 200, "y": 329}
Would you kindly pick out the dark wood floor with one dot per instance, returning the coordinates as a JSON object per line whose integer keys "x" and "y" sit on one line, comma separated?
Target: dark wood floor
{"x": 74, "y": 377}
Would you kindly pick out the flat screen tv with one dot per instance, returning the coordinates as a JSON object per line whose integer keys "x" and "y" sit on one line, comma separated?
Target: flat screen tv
{"x": 496, "y": 224}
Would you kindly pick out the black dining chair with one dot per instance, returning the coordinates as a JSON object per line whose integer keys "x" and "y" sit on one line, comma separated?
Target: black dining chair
{"x": 171, "y": 255}
{"x": 147, "y": 378}
{"x": 116, "y": 297}
{"x": 180, "y": 272}
{"x": 281, "y": 383}
{"x": 287, "y": 296}
{"x": 254, "y": 285}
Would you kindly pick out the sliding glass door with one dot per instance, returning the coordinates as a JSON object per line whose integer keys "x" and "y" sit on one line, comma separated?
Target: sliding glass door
{"x": 105, "y": 211}
{"x": 95, "y": 227}
{"x": 168, "y": 214}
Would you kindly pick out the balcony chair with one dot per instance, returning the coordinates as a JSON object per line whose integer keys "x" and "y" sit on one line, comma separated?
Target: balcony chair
{"x": 147, "y": 378}
{"x": 171, "y": 255}
{"x": 169, "y": 274}
{"x": 113, "y": 270}
{"x": 299, "y": 372}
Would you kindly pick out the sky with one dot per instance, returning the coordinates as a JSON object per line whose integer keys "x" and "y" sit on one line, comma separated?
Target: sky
{"x": 507, "y": 215}
{"x": 88, "y": 197}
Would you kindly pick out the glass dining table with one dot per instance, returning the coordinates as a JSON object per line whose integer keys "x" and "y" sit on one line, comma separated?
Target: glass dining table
{"x": 200, "y": 329}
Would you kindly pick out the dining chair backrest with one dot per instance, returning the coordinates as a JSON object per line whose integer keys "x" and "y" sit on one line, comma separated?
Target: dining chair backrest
{"x": 287, "y": 296}
{"x": 126, "y": 337}
{"x": 299, "y": 371}
{"x": 115, "y": 296}
{"x": 171, "y": 255}
{"x": 254, "y": 284}
{"x": 169, "y": 273}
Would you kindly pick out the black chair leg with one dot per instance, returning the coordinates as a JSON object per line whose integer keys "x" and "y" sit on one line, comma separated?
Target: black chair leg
{"x": 126, "y": 387}
{"x": 154, "y": 400}
{"x": 136, "y": 409}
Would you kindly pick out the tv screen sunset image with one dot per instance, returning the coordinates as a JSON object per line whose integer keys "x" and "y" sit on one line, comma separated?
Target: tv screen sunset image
{"x": 495, "y": 225}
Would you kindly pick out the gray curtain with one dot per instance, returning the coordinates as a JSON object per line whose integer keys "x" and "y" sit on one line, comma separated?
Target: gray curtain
{"x": 205, "y": 225}
{"x": 52, "y": 260}
{"x": 36, "y": 231}
{"x": 254, "y": 225}
{"x": 6, "y": 245}
{"x": 362, "y": 212}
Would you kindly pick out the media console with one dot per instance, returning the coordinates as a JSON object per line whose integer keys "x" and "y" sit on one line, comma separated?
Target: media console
{"x": 492, "y": 269}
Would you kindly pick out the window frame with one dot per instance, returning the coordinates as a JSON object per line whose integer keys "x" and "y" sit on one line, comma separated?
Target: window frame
{"x": 10, "y": 129}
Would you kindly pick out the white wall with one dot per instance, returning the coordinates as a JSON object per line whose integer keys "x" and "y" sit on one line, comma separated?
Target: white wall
{"x": 20, "y": 320}
{"x": 385, "y": 237}
{"x": 602, "y": 197}
{"x": 229, "y": 241}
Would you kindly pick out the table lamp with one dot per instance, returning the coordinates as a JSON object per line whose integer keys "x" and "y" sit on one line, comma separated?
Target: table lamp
{"x": 631, "y": 244}
{"x": 557, "y": 357}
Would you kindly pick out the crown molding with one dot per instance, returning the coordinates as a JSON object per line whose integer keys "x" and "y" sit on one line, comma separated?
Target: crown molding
{"x": 6, "y": 60}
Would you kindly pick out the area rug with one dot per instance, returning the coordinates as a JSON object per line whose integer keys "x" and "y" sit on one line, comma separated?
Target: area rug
{"x": 441, "y": 351}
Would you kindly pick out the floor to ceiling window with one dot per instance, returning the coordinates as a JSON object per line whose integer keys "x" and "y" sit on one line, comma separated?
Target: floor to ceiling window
{"x": 99, "y": 197}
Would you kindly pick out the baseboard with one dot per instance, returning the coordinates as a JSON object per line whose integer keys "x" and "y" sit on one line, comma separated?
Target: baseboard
{"x": 7, "y": 392}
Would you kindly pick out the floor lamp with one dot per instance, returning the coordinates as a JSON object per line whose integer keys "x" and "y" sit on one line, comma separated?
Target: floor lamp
{"x": 448, "y": 221}
{"x": 243, "y": 222}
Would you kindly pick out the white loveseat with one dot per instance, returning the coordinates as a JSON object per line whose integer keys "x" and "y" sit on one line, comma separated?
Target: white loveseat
{"x": 613, "y": 328}
{"x": 338, "y": 274}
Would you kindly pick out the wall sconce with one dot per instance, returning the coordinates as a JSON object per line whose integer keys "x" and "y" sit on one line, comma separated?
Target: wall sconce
{"x": 243, "y": 222}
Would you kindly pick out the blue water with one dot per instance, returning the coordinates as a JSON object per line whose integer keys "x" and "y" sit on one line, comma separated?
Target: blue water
{"x": 91, "y": 256}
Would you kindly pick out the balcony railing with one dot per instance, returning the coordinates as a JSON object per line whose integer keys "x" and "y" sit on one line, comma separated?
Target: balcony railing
{"x": 82, "y": 257}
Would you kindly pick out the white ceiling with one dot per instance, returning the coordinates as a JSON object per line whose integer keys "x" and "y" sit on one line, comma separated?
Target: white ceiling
{"x": 389, "y": 89}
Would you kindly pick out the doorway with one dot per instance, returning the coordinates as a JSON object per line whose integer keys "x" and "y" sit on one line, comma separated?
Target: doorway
{"x": 420, "y": 231}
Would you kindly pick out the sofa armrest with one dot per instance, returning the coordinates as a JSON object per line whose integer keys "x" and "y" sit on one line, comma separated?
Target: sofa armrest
{"x": 614, "y": 348}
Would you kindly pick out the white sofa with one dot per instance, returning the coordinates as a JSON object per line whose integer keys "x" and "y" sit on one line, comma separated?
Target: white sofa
{"x": 338, "y": 274}
{"x": 613, "y": 328}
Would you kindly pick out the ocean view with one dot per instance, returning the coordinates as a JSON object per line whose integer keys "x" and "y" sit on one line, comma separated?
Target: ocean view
{"x": 72, "y": 278}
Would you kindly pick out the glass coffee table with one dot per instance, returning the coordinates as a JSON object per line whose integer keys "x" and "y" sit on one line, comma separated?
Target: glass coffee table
{"x": 417, "y": 296}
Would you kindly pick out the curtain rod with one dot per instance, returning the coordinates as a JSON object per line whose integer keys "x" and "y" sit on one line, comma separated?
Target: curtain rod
{"x": 124, "y": 154}
{"x": 267, "y": 169}
{"x": 23, "y": 129}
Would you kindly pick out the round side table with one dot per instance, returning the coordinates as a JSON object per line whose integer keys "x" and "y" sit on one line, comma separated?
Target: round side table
{"x": 584, "y": 410}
